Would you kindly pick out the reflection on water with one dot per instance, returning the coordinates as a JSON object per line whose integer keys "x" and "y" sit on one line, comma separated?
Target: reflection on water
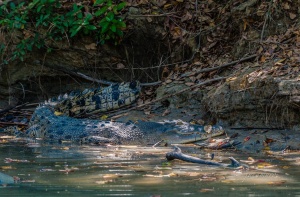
{"x": 72, "y": 170}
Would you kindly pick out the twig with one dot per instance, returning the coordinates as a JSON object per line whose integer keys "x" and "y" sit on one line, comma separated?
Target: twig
{"x": 109, "y": 82}
{"x": 170, "y": 95}
{"x": 217, "y": 67}
{"x": 90, "y": 78}
{"x": 265, "y": 21}
{"x": 13, "y": 107}
{"x": 151, "y": 15}
{"x": 13, "y": 123}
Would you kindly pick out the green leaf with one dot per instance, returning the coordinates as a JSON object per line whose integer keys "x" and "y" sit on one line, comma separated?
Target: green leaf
{"x": 113, "y": 28}
{"x": 97, "y": 2}
{"x": 110, "y": 16}
{"x": 12, "y": 5}
{"x": 80, "y": 15}
{"x": 102, "y": 22}
{"x": 74, "y": 32}
{"x": 65, "y": 23}
{"x": 39, "y": 8}
{"x": 109, "y": 3}
{"x": 119, "y": 33}
{"x": 104, "y": 26}
{"x": 119, "y": 24}
{"x": 120, "y": 6}
{"x": 29, "y": 47}
{"x": 101, "y": 11}
{"x": 88, "y": 17}
{"x": 114, "y": 9}
{"x": 91, "y": 27}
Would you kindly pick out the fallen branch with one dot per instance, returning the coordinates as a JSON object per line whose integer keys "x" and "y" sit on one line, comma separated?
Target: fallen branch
{"x": 13, "y": 107}
{"x": 78, "y": 74}
{"x": 170, "y": 95}
{"x": 86, "y": 77}
{"x": 177, "y": 154}
{"x": 105, "y": 82}
{"x": 188, "y": 74}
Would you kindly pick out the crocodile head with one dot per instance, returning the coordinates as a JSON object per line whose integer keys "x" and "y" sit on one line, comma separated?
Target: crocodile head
{"x": 177, "y": 137}
{"x": 171, "y": 133}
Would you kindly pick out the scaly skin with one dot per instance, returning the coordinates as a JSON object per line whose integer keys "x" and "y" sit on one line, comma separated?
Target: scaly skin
{"x": 99, "y": 100}
{"x": 46, "y": 125}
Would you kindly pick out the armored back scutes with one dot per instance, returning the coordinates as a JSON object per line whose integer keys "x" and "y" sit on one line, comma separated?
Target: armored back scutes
{"x": 99, "y": 100}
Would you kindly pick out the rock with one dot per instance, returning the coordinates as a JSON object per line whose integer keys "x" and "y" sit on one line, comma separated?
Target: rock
{"x": 261, "y": 101}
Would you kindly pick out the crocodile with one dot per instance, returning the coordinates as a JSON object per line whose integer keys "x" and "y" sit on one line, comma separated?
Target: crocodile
{"x": 47, "y": 125}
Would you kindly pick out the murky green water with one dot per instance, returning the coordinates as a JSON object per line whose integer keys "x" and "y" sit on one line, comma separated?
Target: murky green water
{"x": 71, "y": 170}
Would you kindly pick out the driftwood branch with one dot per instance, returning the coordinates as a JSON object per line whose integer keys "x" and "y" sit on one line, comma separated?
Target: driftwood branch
{"x": 92, "y": 79}
{"x": 170, "y": 95}
{"x": 217, "y": 67}
{"x": 177, "y": 154}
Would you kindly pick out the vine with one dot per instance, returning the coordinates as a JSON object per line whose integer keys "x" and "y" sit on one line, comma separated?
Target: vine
{"x": 32, "y": 24}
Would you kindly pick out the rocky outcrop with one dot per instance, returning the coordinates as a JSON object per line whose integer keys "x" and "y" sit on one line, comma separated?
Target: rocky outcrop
{"x": 260, "y": 101}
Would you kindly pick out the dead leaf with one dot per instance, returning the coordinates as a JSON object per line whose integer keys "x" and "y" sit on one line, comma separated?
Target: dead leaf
{"x": 209, "y": 39}
{"x": 92, "y": 46}
{"x": 263, "y": 59}
{"x": 207, "y": 190}
{"x": 292, "y": 15}
{"x": 147, "y": 111}
{"x": 197, "y": 63}
{"x": 207, "y": 128}
{"x": 245, "y": 24}
{"x": 167, "y": 6}
{"x": 57, "y": 113}
{"x": 286, "y": 6}
{"x": 186, "y": 17}
{"x": 166, "y": 112}
{"x": 277, "y": 183}
{"x": 189, "y": 83}
{"x": 246, "y": 138}
{"x": 231, "y": 79}
{"x": 120, "y": 66}
{"x": 104, "y": 117}
{"x": 168, "y": 81}
{"x": 200, "y": 122}
{"x": 269, "y": 140}
{"x": 279, "y": 62}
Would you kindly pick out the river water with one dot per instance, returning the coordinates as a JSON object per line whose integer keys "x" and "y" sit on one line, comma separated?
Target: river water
{"x": 74, "y": 170}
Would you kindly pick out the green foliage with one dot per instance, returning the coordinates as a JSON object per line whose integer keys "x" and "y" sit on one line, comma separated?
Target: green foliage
{"x": 44, "y": 20}
{"x": 111, "y": 26}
